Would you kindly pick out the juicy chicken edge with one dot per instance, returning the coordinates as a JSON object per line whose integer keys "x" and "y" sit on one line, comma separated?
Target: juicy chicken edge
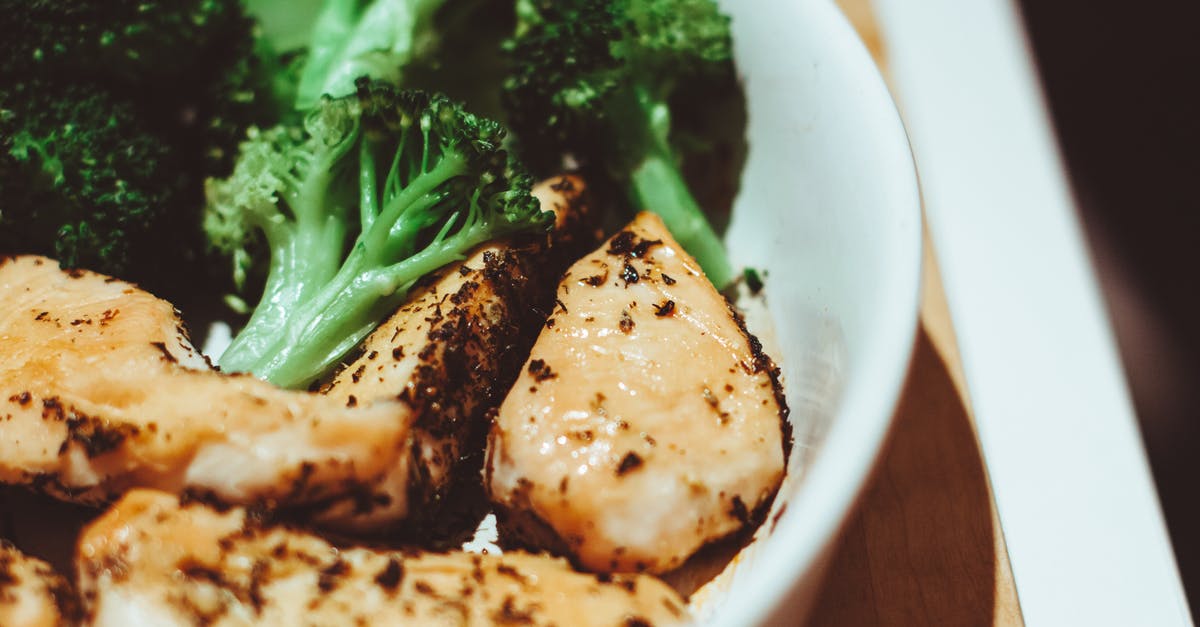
{"x": 452, "y": 351}
{"x": 647, "y": 421}
{"x": 151, "y": 560}
{"x": 31, "y": 593}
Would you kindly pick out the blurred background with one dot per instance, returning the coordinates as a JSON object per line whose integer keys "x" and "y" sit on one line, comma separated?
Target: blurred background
{"x": 1123, "y": 83}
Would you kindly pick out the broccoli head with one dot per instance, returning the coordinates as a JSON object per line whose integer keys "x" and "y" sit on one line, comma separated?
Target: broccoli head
{"x": 82, "y": 177}
{"x": 132, "y": 40}
{"x": 594, "y": 79}
{"x": 376, "y": 190}
{"x": 114, "y": 113}
{"x": 195, "y": 68}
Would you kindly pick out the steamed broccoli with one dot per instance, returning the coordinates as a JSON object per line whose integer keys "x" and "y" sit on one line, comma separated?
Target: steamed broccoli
{"x": 354, "y": 38}
{"x": 447, "y": 46}
{"x": 113, "y": 113}
{"x": 135, "y": 41}
{"x": 192, "y": 67}
{"x": 82, "y": 177}
{"x": 467, "y": 63}
{"x": 412, "y": 179}
{"x": 594, "y": 79}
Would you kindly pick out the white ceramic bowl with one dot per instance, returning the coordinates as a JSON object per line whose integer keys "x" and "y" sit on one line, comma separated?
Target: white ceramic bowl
{"x": 829, "y": 205}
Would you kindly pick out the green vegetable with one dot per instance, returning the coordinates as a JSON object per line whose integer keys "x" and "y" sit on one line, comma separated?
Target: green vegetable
{"x": 753, "y": 280}
{"x": 467, "y": 63}
{"x": 193, "y": 68}
{"x": 135, "y": 41}
{"x": 414, "y": 180}
{"x": 354, "y": 38}
{"x": 82, "y": 176}
{"x": 594, "y": 79}
{"x": 446, "y": 46}
{"x": 112, "y": 114}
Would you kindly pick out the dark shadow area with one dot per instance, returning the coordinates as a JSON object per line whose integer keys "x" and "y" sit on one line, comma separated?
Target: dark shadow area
{"x": 920, "y": 548}
{"x": 42, "y": 526}
{"x": 1123, "y": 83}
{"x": 707, "y": 563}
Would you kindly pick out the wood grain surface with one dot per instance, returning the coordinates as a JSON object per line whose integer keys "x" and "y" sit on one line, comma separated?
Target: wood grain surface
{"x": 925, "y": 546}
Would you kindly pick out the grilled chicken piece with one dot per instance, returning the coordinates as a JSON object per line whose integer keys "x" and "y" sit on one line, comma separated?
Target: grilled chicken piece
{"x": 452, "y": 351}
{"x": 647, "y": 421}
{"x": 152, "y": 561}
{"x": 101, "y": 390}
{"x": 31, "y": 593}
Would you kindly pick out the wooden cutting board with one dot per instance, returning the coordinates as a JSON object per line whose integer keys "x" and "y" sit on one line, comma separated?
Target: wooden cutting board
{"x": 924, "y": 546}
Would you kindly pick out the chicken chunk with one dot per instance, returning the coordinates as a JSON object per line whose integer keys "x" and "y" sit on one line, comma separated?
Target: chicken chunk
{"x": 152, "y": 561}
{"x": 101, "y": 391}
{"x": 452, "y": 351}
{"x": 647, "y": 421}
{"x": 31, "y": 593}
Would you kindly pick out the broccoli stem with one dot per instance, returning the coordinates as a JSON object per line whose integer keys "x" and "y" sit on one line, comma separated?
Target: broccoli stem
{"x": 329, "y": 326}
{"x": 658, "y": 185}
{"x": 333, "y": 25}
{"x": 368, "y": 208}
{"x": 303, "y": 258}
{"x": 306, "y": 253}
{"x": 410, "y": 209}
{"x": 334, "y": 322}
{"x": 352, "y": 38}
{"x": 333, "y": 315}
{"x": 654, "y": 181}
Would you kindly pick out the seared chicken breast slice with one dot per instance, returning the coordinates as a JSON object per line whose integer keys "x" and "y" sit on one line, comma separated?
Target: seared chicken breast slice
{"x": 101, "y": 391}
{"x": 647, "y": 421}
{"x": 31, "y": 593}
{"x": 153, "y": 561}
{"x": 453, "y": 349}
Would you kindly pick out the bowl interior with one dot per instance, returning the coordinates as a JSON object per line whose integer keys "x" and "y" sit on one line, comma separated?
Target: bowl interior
{"x": 829, "y": 207}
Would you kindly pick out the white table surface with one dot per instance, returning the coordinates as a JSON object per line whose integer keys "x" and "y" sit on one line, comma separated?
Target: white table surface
{"x": 1080, "y": 515}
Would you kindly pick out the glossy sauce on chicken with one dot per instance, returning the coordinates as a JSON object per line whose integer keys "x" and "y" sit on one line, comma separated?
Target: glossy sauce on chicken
{"x": 450, "y": 353}
{"x": 101, "y": 391}
{"x": 647, "y": 421}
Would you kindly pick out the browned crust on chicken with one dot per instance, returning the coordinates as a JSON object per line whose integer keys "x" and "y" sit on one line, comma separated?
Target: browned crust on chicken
{"x": 454, "y": 348}
{"x": 763, "y": 363}
{"x": 101, "y": 391}
{"x": 168, "y": 563}
{"x": 31, "y": 593}
{"x": 648, "y": 421}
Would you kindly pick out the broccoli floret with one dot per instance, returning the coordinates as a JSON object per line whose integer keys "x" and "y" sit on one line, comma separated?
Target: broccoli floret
{"x": 244, "y": 84}
{"x": 136, "y": 102}
{"x": 131, "y": 40}
{"x": 594, "y": 79}
{"x": 467, "y": 64}
{"x": 414, "y": 180}
{"x": 354, "y": 38}
{"x": 82, "y": 177}
{"x": 194, "y": 68}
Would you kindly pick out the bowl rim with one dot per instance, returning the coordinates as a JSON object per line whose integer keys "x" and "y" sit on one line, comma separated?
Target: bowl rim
{"x": 836, "y": 477}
